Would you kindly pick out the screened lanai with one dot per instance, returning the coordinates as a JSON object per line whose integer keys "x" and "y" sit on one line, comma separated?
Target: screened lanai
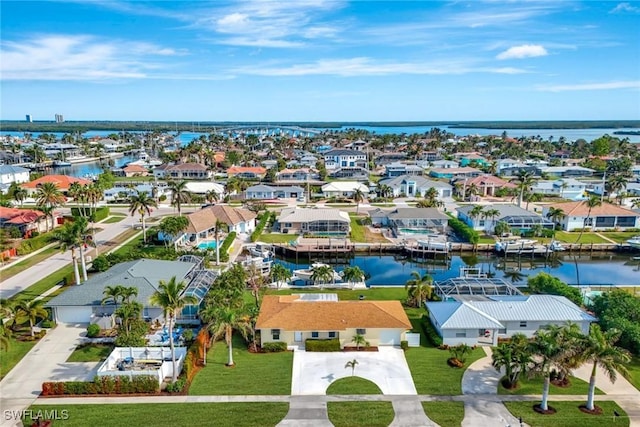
{"x": 472, "y": 285}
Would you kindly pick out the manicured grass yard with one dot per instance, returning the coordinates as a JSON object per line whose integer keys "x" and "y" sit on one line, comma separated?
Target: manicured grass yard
{"x": 10, "y": 357}
{"x": 263, "y": 373}
{"x": 568, "y": 415}
{"x": 486, "y": 239}
{"x": 91, "y": 353}
{"x": 587, "y": 237}
{"x": 619, "y": 237}
{"x": 31, "y": 261}
{"x": 534, "y": 386}
{"x": 44, "y": 284}
{"x": 276, "y": 238}
{"x": 361, "y": 234}
{"x": 634, "y": 372}
{"x": 113, "y": 219}
{"x": 358, "y": 414}
{"x": 447, "y": 414}
{"x": 252, "y": 414}
{"x": 390, "y": 293}
{"x": 353, "y": 385}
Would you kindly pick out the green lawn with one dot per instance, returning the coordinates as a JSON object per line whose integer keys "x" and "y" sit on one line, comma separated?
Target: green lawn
{"x": 26, "y": 263}
{"x": 486, "y": 239}
{"x": 447, "y": 414}
{"x": 534, "y": 386}
{"x": 265, "y": 373}
{"x": 277, "y": 238}
{"x": 619, "y": 237}
{"x": 634, "y": 372}
{"x": 44, "y": 284}
{"x": 10, "y": 357}
{"x": 91, "y": 353}
{"x": 113, "y": 219}
{"x": 341, "y": 205}
{"x": 358, "y": 414}
{"x": 429, "y": 369}
{"x": 390, "y": 293}
{"x": 383, "y": 205}
{"x": 587, "y": 237}
{"x": 361, "y": 234}
{"x": 568, "y": 415}
{"x": 254, "y": 414}
{"x": 353, "y": 385}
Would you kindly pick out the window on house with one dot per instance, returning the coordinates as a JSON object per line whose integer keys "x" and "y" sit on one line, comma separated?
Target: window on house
{"x": 361, "y": 331}
{"x": 461, "y": 334}
{"x": 332, "y": 334}
{"x": 502, "y": 331}
{"x": 315, "y": 334}
{"x": 275, "y": 334}
{"x": 523, "y": 323}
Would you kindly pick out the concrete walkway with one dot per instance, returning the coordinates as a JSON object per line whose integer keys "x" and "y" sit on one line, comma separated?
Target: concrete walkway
{"x": 306, "y": 411}
{"x": 409, "y": 413}
{"x": 481, "y": 378}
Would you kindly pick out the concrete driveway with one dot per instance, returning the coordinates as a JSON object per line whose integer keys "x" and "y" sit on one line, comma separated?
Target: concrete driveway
{"x": 314, "y": 372}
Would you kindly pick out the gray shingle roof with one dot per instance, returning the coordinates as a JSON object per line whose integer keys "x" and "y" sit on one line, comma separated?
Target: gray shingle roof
{"x": 143, "y": 274}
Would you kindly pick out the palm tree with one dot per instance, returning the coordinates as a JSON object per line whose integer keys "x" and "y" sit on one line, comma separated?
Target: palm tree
{"x": 635, "y": 203}
{"x": 69, "y": 238}
{"x": 322, "y": 274}
{"x": 219, "y": 226}
{"x": 112, "y": 293}
{"x": 31, "y": 310}
{"x": 279, "y": 273}
{"x": 525, "y": 181}
{"x": 514, "y": 356}
{"x": 212, "y": 196}
{"x": 127, "y": 312}
{"x": 5, "y": 337}
{"x": 359, "y": 340}
{"x": 19, "y": 194}
{"x": 49, "y": 196}
{"x": 127, "y": 293}
{"x": 142, "y": 204}
{"x": 556, "y": 215}
{"x": 358, "y": 197}
{"x": 491, "y": 214}
{"x": 418, "y": 288}
{"x": 170, "y": 297}
{"x": 591, "y": 202}
{"x": 179, "y": 194}
{"x": 351, "y": 364}
{"x": 475, "y": 213}
{"x": 600, "y": 349}
{"x": 221, "y": 321}
{"x": 353, "y": 274}
{"x": 617, "y": 184}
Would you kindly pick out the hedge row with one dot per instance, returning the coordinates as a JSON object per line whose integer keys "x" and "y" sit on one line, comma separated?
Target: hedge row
{"x": 103, "y": 385}
{"x": 274, "y": 347}
{"x": 260, "y": 227}
{"x": 33, "y": 244}
{"x": 322, "y": 345}
{"x": 224, "y": 249}
{"x": 463, "y": 230}
{"x": 92, "y": 215}
{"x": 430, "y": 332}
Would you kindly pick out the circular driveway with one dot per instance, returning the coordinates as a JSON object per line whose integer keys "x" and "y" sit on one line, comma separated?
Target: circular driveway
{"x": 314, "y": 372}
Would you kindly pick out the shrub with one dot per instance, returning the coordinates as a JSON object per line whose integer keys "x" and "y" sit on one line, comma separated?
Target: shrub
{"x": 47, "y": 324}
{"x": 187, "y": 335}
{"x": 322, "y": 345}
{"x": 430, "y": 332}
{"x": 404, "y": 344}
{"x": 463, "y": 230}
{"x": 103, "y": 385}
{"x": 178, "y": 386}
{"x": 544, "y": 283}
{"x": 274, "y": 347}
{"x": 93, "y": 330}
{"x": 224, "y": 249}
{"x": 258, "y": 231}
{"x": 93, "y": 215}
{"x": 34, "y": 243}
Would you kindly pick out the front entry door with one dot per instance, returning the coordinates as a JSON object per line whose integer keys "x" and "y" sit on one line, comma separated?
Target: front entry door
{"x": 297, "y": 336}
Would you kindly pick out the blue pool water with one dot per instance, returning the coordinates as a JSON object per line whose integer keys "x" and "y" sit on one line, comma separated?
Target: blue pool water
{"x": 207, "y": 245}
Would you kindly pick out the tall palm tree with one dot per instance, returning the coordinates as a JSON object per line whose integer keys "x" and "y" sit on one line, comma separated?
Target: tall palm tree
{"x": 525, "y": 181}
{"x": 591, "y": 202}
{"x": 141, "y": 203}
{"x": 222, "y": 321}
{"x": 491, "y": 214}
{"x": 179, "y": 194}
{"x": 358, "y": 197}
{"x": 353, "y": 274}
{"x": 49, "y": 196}
{"x": 112, "y": 293}
{"x": 419, "y": 288}
{"x": 170, "y": 297}
{"x": 212, "y": 196}
{"x": 218, "y": 227}
{"x": 322, "y": 274}
{"x": 19, "y": 194}
{"x": 556, "y": 215}
{"x": 31, "y": 310}
{"x": 600, "y": 349}
{"x": 69, "y": 238}
{"x": 475, "y": 213}
{"x": 617, "y": 184}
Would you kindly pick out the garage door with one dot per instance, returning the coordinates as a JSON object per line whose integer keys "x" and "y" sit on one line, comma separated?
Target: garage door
{"x": 389, "y": 337}
{"x": 73, "y": 314}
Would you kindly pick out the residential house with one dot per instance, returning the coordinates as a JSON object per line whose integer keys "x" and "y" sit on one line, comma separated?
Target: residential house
{"x": 467, "y": 159}
{"x": 565, "y": 188}
{"x": 308, "y": 160}
{"x": 519, "y": 219}
{"x": 358, "y": 145}
{"x": 410, "y": 220}
{"x": 269, "y": 163}
{"x": 63, "y": 182}
{"x": 397, "y": 169}
{"x": 246, "y": 172}
{"x": 266, "y": 192}
{"x": 202, "y": 223}
{"x": 455, "y": 173}
{"x": 293, "y": 319}
{"x": 482, "y": 320}
{"x": 486, "y": 184}
{"x": 135, "y": 170}
{"x": 187, "y": 171}
{"x": 10, "y": 174}
{"x": 357, "y": 172}
{"x": 444, "y": 164}
{"x": 414, "y": 186}
{"x": 343, "y": 189}
{"x": 203, "y": 187}
{"x": 83, "y": 304}
{"x": 510, "y": 167}
{"x": 327, "y": 221}
{"x": 26, "y": 220}
{"x": 121, "y": 193}
{"x": 296, "y": 175}
{"x": 603, "y": 217}
{"x": 387, "y": 158}
{"x": 342, "y": 158}
{"x": 565, "y": 171}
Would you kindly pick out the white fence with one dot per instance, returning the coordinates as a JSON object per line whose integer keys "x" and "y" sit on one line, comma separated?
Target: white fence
{"x": 142, "y": 355}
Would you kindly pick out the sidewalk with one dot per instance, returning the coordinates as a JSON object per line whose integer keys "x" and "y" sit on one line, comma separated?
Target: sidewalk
{"x": 26, "y": 257}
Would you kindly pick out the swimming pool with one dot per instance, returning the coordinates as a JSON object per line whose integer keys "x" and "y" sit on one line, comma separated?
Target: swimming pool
{"x": 413, "y": 231}
{"x": 207, "y": 244}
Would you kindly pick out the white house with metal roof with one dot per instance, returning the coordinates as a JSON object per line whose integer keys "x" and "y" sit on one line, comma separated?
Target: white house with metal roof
{"x": 10, "y": 174}
{"x": 343, "y": 189}
{"x": 482, "y": 320}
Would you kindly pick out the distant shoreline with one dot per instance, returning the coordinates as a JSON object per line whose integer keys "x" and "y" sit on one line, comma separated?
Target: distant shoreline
{"x": 205, "y": 127}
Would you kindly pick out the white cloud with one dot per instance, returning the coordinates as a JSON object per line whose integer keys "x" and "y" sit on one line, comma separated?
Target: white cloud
{"x": 629, "y": 84}
{"x": 523, "y": 51}
{"x": 625, "y": 8}
{"x": 66, "y": 57}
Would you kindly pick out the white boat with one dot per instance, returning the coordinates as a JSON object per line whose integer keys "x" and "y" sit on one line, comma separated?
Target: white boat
{"x": 145, "y": 161}
{"x": 307, "y": 273}
{"x": 260, "y": 250}
{"x": 634, "y": 242}
{"x": 515, "y": 245}
{"x": 556, "y": 247}
{"x": 61, "y": 163}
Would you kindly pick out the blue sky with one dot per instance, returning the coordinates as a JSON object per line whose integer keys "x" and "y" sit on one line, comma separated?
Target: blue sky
{"x": 315, "y": 60}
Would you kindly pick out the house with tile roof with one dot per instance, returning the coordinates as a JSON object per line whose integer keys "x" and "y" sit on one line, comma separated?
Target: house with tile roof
{"x": 135, "y": 170}
{"x": 26, "y": 220}
{"x": 202, "y": 223}
{"x": 482, "y": 320}
{"x": 293, "y": 319}
{"x": 487, "y": 184}
{"x": 603, "y": 217}
{"x": 246, "y": 172}
{"x": 63, "y": 182}
{"x": 187, "y": 171}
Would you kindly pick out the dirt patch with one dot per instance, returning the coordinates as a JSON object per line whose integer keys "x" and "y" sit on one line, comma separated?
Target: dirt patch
{"x": 539, "y": 410}
{"x": 596, "y": 410}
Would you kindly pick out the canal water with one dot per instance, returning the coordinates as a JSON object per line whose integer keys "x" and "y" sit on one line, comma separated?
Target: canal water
{"x": 582, "y": 270}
